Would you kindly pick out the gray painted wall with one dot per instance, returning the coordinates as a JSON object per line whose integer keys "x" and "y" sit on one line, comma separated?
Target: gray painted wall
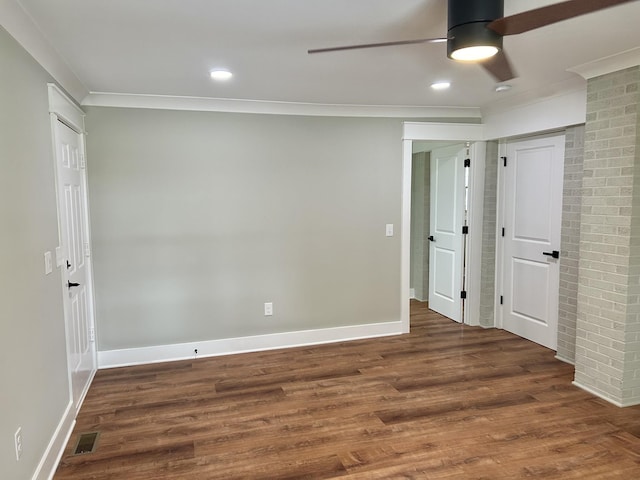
{"x": 33, "y": 362}
{"x": 199, "y": 218}
{"x": 420, "y": 214}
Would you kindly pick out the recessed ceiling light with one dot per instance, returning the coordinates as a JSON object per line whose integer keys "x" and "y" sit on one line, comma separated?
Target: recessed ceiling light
{"x": 440, "y": 85}
{"x": 502, "y": 88}
{"x": 221, "y": 74}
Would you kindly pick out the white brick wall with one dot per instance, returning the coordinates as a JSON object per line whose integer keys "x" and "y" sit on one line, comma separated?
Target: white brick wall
{"x": 570, "y": 241}
{"x": 607, "y": 351}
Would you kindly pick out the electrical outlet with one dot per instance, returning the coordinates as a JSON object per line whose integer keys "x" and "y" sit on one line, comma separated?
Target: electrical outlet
{"x": 18, "y": 443}
{"x": 268, "y": 309}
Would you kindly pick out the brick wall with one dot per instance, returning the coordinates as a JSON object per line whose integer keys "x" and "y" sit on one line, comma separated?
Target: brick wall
{"x": 570, "y": 242}
{"x": 607, "y": 355}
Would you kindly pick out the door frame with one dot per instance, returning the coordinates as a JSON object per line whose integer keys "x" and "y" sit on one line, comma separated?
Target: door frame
{"x": 63, "y": 109}
{"x": 455, "y": 132}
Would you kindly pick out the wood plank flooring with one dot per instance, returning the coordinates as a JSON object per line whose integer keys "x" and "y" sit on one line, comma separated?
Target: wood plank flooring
{"x": 444, "y": 402}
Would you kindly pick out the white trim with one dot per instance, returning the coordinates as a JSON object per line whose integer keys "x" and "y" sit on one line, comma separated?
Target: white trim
{"x": 564, "y": 359}
{"x": 500, "y": 189}
{"x": 412, "y": 293}
{"x": 405, "y": 237}
{"x": 230, "y": 346}
{"x": 22, "y": 27}
{"x": 206, "y": 104}
{"x": 560, "y": 111}
{"x": 604, "y": 397}
{"x": 443, "y": 131}
{"x": 53, "y": 453}
{"x": 461, "y": 132}
{"x": 610, "y": 64}
{"x": 63, "y": 107}
{"x": 474, "y": 237}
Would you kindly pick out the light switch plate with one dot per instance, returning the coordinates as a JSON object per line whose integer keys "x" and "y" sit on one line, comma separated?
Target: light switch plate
{"x": 48, "y": 263}
{"x": 389, "y": 229}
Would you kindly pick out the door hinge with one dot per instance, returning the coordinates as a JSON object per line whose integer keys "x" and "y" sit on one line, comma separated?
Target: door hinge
{"x": 463, "y": 294}
{"x": 504, "y": 160}
{"x": 501, "y": 299}
{"x": 92, "y": 334}
{"x": 503, "y": 231}
{"x": 465, "y": 229}
{"x": 83, "y": 163}
{"x": 87, "y": 250}
{"x": 467, "y": 162}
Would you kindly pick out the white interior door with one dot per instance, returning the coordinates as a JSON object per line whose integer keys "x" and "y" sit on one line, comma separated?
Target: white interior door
{"x": 76, "y": 267}
{"x": 533, "y": 214}
{"x": 445, "y": 233}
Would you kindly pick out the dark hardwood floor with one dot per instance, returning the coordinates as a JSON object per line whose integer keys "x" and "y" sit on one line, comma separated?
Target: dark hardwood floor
{"x": 444, "y": 402}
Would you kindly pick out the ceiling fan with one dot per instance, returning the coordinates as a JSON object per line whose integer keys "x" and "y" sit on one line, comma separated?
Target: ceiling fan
{"x": 476, "y": 29}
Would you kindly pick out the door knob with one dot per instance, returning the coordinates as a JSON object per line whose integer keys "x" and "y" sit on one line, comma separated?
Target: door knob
{"x": 72, "y": 284}
{"x": 554, "y": 254}
{"x": 431, "y": 239}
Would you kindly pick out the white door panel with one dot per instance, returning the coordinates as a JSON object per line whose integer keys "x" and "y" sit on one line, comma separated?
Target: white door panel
{"x": 446, "y": 220}
{"x": 533, "y": 214}
{"x": 444, "y": 263}
{"x": 71, "y": 180}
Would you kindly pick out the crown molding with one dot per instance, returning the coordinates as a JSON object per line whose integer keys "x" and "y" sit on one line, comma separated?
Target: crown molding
{"x": 19, "y": 24}
{"x": 610, "y": 64}
{"x": 206, "y": 104}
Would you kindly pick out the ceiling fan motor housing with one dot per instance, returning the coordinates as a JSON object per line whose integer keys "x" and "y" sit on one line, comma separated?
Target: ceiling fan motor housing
{"x": 467, "y": 24}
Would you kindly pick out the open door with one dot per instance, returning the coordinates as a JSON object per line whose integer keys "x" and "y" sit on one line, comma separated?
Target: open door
{"x": 446, "y": 242}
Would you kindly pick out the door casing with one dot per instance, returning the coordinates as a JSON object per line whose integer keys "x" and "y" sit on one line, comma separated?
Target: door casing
{"x": 62, "y": 109}
{"x": 453, "y": 132}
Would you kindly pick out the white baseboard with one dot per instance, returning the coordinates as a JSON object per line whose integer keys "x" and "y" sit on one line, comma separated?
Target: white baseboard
{"x": 228, "y": 346}
{"x": 603, "y": 397}
{"x": 564, "y": 359}
{"x": 412, "y": 293}
{"x": 52, "y": 455}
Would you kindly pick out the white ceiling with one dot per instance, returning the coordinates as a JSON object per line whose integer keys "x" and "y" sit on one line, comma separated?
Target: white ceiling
{"x": 167, "y": 47}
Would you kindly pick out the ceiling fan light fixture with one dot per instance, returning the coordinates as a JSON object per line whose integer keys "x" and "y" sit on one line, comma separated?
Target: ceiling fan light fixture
{"x": 473, "y": 42}
{"x": 474, "y": 53}
{"x": 469, "y": 38}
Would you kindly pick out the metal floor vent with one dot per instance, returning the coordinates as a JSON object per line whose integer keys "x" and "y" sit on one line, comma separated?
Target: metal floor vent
{"x": 86, "y": 443}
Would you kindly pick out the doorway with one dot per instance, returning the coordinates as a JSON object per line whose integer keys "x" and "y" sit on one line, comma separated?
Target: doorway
{"x": 73, "y": 255}
{"x": 447, "y": 134}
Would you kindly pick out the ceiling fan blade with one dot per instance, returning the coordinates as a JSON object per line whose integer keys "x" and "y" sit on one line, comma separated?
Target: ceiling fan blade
{"x": 499, "y": 67}
{"x": 540, "y": 17}
{"x": 375, "y": 45}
